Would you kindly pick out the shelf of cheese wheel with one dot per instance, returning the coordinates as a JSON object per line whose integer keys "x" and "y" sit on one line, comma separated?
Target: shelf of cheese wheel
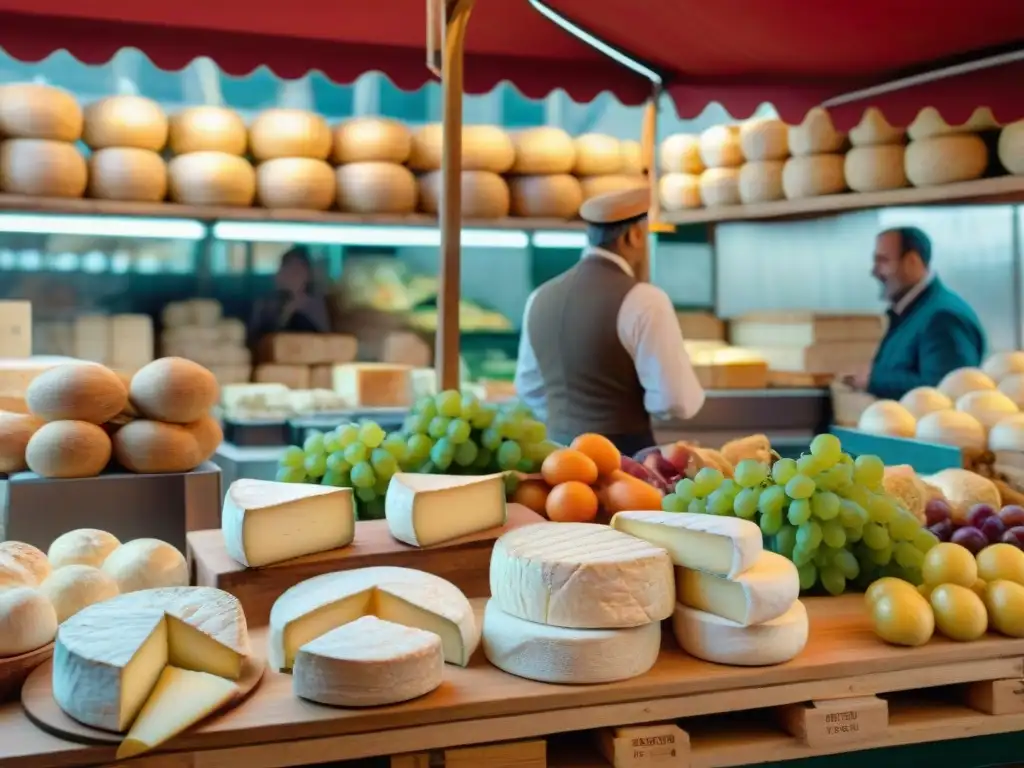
{"x": 763, "y": 169}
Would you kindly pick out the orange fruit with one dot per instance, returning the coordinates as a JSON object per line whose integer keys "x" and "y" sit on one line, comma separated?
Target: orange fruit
{"x": 572, "y": 502}
{"x": 600, "y": 450}
{"x": 532, "y": 494}
{"x": 567, "y": 465}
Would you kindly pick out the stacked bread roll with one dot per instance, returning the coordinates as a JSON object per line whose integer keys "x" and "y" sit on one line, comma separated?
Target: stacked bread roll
{"x": 1011, "y": 148}
{"x": 40, "y": 125}
{"x": 719, "y": 148}
{"x": 126, "y": 135}
{"x": 764, "y": 144}
{"x": 875, "y": 162}
{"x": 600, "y": 165}
{"x": 940, "y": 153}
{"x": 681, "y": 166}
{"x": 291, "y": 147}
{"x": 208, "y": 145}
{"x": 196, "y": 330}
{"x": 540, "y": 180}
{"x": 816, "y": 165}
{"x": 371, "y": 179}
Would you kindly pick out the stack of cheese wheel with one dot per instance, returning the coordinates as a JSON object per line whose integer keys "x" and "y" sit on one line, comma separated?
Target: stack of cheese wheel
{"x": 600, "y": 165}
{"x": 736, "y": 603}
{"x": 681, "y": 166}
{"x": 540, "y": 180}
{"x": 39, "y": 126}
{"x": 371, "y": 177}
{"x": 1011, "y": 148}
{"x": 197, "y": 330}
{"x": 816, "y": 165}
{"x": 576, "y": 603}
{"x": 126, "y": 135}
{"x": 83, "y": 414}
{"x": 875, "y": 161}
{"x": 940, "y": 153}
{"x": 487, "y": 152}
{"x": 765, "y": 147}
{"x": 291, "y": 147}
{"x": 719, "y": 148}
{"x": 209, "y": 168}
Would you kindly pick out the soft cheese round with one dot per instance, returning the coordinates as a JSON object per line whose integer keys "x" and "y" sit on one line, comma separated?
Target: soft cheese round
{"x": 368, "y": 662}
{"x": 571, "y": 656}
{"x": 581, "y": 575}
{"x": 721, "y": 641}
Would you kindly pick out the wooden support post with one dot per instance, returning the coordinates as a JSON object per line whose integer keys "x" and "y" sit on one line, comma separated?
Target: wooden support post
{"x": 648, "y": 154}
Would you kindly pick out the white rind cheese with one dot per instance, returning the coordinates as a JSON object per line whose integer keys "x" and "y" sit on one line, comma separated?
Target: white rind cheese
{"x": 424, "y": 510}
{"x": 581, "y": 575}
{"x": 726, "y": 546}
{"x": 721, "y": 641}
{"x": 760, "y": 594}
{"x": 573, "y": 656}
{"x": 400, "y": 595}
{"x": 264, "y": 522}
{"x": 369, "y": 663}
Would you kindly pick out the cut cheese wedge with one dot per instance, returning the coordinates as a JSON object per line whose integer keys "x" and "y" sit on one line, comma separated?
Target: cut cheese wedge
{"x": 399, "y": 595}
{"x": 374, "y": 385}
{"x": 726, "y": 546}
{"x": 179, "y": 700}
{"x": 762, "y": 593}
{"x": 266, "y": 522}
{"x": 721, "y": 641}
{"x": 424, "y": 510}
{"x": 369, "y": 662}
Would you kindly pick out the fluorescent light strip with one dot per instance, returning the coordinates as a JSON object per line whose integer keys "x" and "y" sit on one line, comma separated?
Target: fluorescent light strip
{"x": 559, "y": 240}
{"x": 102, "y": 226}
{"x": 393, "y": 237}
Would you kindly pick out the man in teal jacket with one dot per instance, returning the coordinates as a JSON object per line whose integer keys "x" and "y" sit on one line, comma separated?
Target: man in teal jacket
{"x": 932, "y": 331}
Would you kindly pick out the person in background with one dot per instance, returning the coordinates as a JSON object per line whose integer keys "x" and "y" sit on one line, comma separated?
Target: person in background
{"x": 295, "y": 306}
{"x": 931, "y": 332}
{"x": 600, "y": 349}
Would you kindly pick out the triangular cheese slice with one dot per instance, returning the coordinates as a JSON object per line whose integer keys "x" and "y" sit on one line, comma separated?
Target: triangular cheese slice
{"x": 424, "y": 510}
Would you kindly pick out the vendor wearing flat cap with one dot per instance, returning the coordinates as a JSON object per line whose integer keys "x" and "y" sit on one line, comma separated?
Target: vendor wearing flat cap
{"x": 600, "y": 349}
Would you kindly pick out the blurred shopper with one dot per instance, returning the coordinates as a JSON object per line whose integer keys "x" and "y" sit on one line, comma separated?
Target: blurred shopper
{"x": 295, "y": 305}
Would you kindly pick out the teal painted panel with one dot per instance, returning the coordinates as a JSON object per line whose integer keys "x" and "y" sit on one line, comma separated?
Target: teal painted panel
{"x": 548, "y": 263}
{"x": 925, "y": 458}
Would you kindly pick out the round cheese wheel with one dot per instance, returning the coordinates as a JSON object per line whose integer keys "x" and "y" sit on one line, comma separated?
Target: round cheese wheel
{"x": 77, "y": 392}
{"x": 42, "y": 168}
{"x": 175, "y": 390}
{"x": 155, "y": 447}
{"x": 1013, "y": 387}
{"x": 371, "y": 139}
{"x": 1011, "y": 148}
{"x": 764, "y": 139}
{"x": 929, "y": 123}
{"x": 720, "y": 186}
{"x": 761, "y": 182}
{"x": 720, "y": 147}
{"x": 125, "y": 121}
{"x": 632, "y": 157}
{"x": 999, "y": 365}
{"x": 815, "y": 135}
{"x": 16, "y": 429}
{"x": 485, "y": 195}
{"x": 27, "y": 621}
{"x": 146, "y": 564}
{"x": 554, "y": 196}
{"x": 74, "y": 587}
{"x": 138, "y": 175}
{"x": 207, "y": 129}
{"x": 921, "y": 401}
{"x": 680, "y": 153}
{"x": 289, "y": 133}
{"x": 958, "y": 383}
{"x": 31, "y": 559}
{"x": 68, "y": 449}
{"x": 679, "y": 191}
{"x": 211, "y": 178}
{"x": 484, "y": 148}
{"x": 297, "y": 183}
{"x": 813, "y": 176}
{"x": 875, "y": 168}
{"x": 373, "y": 187}
{"x": 874, "y": 130}
{"x": 887, "y": 417}
{"x": 541, "y": 151}
{"x": 83, "y": 546}
{"x": 30, "y": 111}
{"x": 597, "y": 155}
{"x": 945, "y": 159}
{"x": 593, "y": 186}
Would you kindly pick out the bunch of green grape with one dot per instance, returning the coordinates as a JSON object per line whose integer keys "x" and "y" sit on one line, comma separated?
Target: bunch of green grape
{"x": 825, "y": 511}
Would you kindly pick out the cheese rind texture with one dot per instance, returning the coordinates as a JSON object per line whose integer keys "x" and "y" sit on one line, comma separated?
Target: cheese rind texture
{"x": 265, "y": 522}
{"x": 368, "y": 662}
{"x": 424, "y": 510}
{"x": 726, "y": 546}
{"x": 721, "y": 641}
{"x": 571, "y": 656}
{"x": 399, "y": 595}
{"x": 581, "y": 575}
{"x": 762, "y": 593}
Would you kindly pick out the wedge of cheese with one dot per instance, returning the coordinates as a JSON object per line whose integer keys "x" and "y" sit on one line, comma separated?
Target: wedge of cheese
{"x": 764, "y": 592}
{"x": 266, "y": 522}
{"x": 725, "y": 546}
{"x": 399, "y": 595}
{"x": 424, "y": 510}
{"x": 374, "y": 385}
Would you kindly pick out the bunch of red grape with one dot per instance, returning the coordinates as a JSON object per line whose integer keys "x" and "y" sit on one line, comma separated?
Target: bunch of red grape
{"x": 984, "y": 525}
